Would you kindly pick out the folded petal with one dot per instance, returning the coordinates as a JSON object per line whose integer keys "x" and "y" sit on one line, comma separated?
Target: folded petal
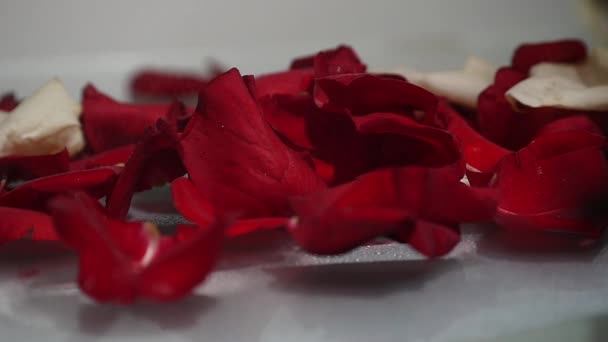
{"x": 235, "y": 159}
{"x": 109, "y": 124}
{"x": 480, "y": 155}
{"x": 122, "y": 261}
{"x": 290, "y": 82}
{"x": 154, "y": 161}
{"x": 364, "y": 93}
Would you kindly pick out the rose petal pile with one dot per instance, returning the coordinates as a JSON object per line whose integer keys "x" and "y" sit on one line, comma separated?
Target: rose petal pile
{"x": 335, "y": 155}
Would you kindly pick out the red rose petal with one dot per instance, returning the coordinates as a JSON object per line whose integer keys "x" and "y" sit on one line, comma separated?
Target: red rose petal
{"x": 150, "y": 82}
{"x": 546, "y": 186}
{"x": 35, "y": 193}
{"x": 575, "y": 122}
{"x": 114, "y": 157}
{"x": 16, "y": 224}
{"x": 26, "y": 167}
{"x": 190, "y": 203}
{"x": 291, "y": 82}
{"x": 109, "y": 124}
{"x": 499, "y": 122}
{"x": 154, "y": 161}
{"x": 480, "y": 155}
{"x": 121, "y": 261}
{"x": 561, "y": 51}
{"x": 287, "y": 114}
{"x": 234, "y": 157}
{"x": 8, "y": 102}
{"x": 420, "y": 204}
{"x": 431, "y": 239}
{"x": 341, "y": 60}
{"x": 197, "y": 209}
{"x": 365, "y": 93}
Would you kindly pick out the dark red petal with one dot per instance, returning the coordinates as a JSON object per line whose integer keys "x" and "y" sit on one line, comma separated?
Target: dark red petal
{"x": 35, "y": 193}
{"x": 365, "y": 93}
{"x": 437, "y": 194}
{"x": 105, "y": 272}
{"x": 16, "y": 224}
{"x": 154, "y": 162}
{"x": 575, "y": 122}
{"x": 26, "y": 167}
{"x": 114, "y": 157}
{"x": 109, "y": 124}
{"x": 341, "y": 60}
{"x": 355, "y": 145}
{"x": 121, "y": 261}
{"x": 547, "y": 185}
{"x": 190, "y": 203}
{"x": 176, "y": 271}
{"x": 234, "y": 157}
{"x": 339, "y": 219}
{"x": 286, "y": 82}
{"x": 8, "y": 102}
{"x": 431, "y": 239}
{"x": 395, "y": 140}
{"x": 246, "y": 226}
{"x": 561, "y": 51}
{"x": 480, "y": 155}
{"x": 499, "y": 122}
{"x": 152, "y": 82}
{"x": 287, "y": 114}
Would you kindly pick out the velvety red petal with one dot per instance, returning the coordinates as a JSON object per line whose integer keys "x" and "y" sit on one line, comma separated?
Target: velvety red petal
{"x": 364, "y": 93}
{"x": 8, "y": 102}
{"x": 499, "y": 122}
{"x": 480, "y": 155}
{"x": 154, "y": 161}
{"x": 575, "y": 122}
{"x": 355, "y": 145}
{"x": 287, "y": 114}
{"x": 431, "y": 239}
{"x": 35, "y": 193}
{"x": 234, "y": 157}
{"x": 190, "y": 203}
{"x": 109, "y": 124}
{"x": 341, "y": 60}
{"x": 114, "y": 157}
{"x": 286, "y": 82}
{"x": 339, "y": 219}
{"x": 26, "y": 167}
{"x": 17, "y": 224}
{"x": 561, "y": 51}
{"x": 547, "y": 185}
{"x": 150, "y": 82}
{"x": 121, "y": 261}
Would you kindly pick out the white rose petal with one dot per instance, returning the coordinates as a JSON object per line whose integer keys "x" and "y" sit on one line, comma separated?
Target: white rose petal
{"x": 44, "y": 123}
{"x": 459, "y": 86}
{"x": 578, "y": 87}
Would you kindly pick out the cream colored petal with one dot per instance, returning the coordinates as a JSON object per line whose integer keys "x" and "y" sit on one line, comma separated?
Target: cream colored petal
{"x": 44, "y": 123}
{"x": 459, "y": 86}
{"x": 578, "y": 87}
{"x": 3, "y": 116}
